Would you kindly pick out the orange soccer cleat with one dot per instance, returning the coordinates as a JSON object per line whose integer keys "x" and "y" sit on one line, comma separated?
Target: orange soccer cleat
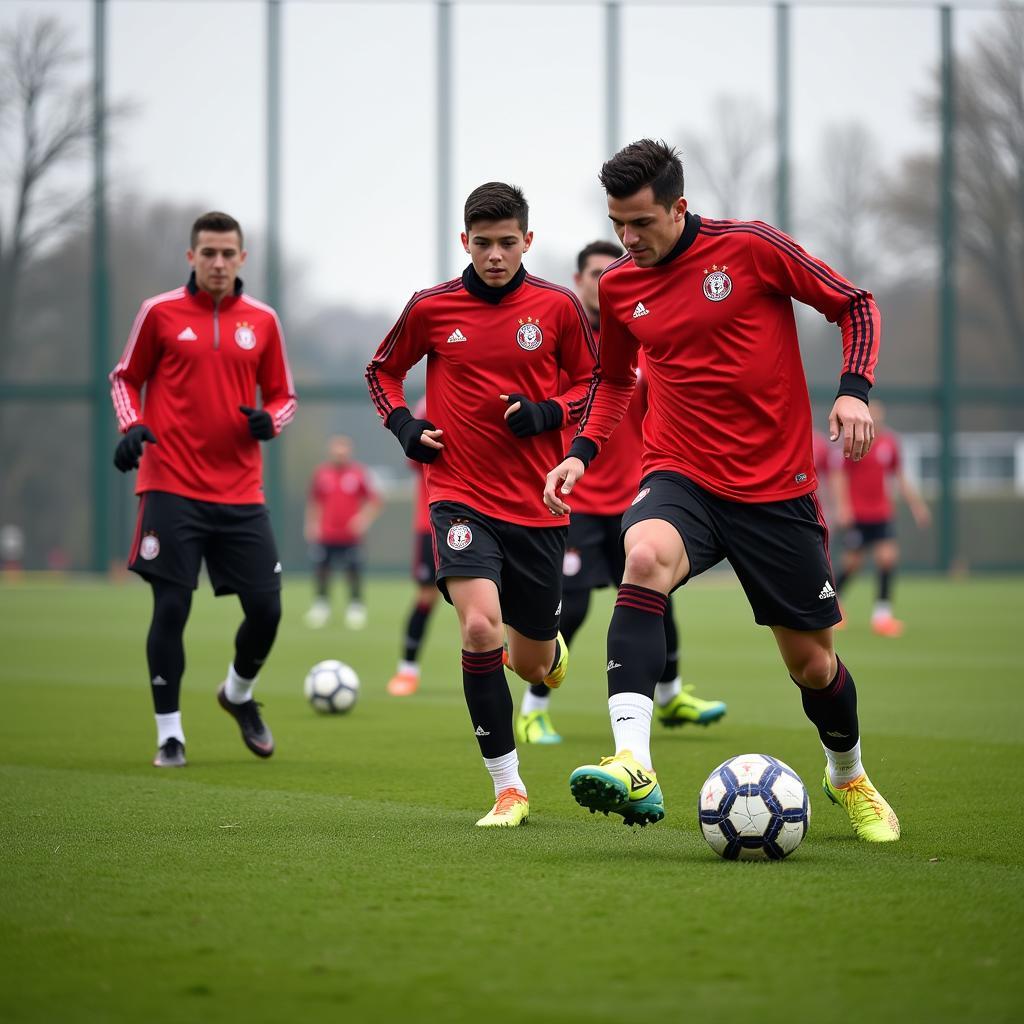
{"x": 886, "y": 625}
{"x": 404, "y": 684}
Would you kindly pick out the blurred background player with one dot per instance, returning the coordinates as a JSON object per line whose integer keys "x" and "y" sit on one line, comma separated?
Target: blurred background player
{"x": 497, "y": 341}
{"x": 341, "y": 506}
{"x": 593, "y": 553}
{"x": 864, "y": 510}
{"x": 200, "y": 352}
{"x": 406, "y": 679}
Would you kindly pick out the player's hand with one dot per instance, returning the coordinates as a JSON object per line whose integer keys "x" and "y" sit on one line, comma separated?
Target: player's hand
{"x": 526, "y": 418}
{"x": 261, "y": 423}
{"x": 922, "y": 515}
{"x": 561, "y": 480}
{"x": 850, "y": 419}
{"x": 420, "y": 439}
{"x": 129, "y": 448}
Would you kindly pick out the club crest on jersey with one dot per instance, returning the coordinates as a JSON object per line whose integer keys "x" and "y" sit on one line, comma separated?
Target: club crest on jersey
{"x": 717, "y": 283}
{"x": 459, "y": 536}
{"x": 149, "y": 548}
{"x": 640, "y": 497}
{"x": 245, "y": 336}
{"x": 571, "y": 563}
{"x": 529, "y": 336}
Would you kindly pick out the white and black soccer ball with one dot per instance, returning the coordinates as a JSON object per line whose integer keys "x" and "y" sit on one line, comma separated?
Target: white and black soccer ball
{"x": 331, "y": 687}
{"x": 754, "y": 807}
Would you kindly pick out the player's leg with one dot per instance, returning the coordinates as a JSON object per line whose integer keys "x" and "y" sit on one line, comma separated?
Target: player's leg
{"x": 165, "y": 654}
{"x": 320, "y": 610}
{"x": 887, "y": 556}
{"x": 852, "y": 557}
{"x": 406, "y": 679}
{"x": 355, "y": 613}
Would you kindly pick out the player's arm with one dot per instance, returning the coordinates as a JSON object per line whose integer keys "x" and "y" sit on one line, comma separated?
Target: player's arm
{"x": 313, "y": 512}
{"x": 840, "y": 487}
{"x": 918, "y": 509}
{"x": 369, "y": 510}
{"x": 788, "y": 269}
{"x": 274, "y": 378}
{"x": 404, "y": 346}
{"x": 126, "y": 381}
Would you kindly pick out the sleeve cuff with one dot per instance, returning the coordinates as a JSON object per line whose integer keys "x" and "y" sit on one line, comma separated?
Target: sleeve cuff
{"x": 582, "y": 448}
{"x": 855, "y": 385}
{"x": 397, "y": 419}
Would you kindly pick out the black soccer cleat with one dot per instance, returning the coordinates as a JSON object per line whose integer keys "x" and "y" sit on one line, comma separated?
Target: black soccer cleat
{"x": 170, "y": 754}
{"x": 255, "y": 733}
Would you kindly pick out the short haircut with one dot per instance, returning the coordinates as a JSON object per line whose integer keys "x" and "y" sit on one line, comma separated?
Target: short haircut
{"x": 497, "y": 201}
{"x": 641, "y": 164}
{"x": 600, "y": 248}
{"x": 215, "y": 221}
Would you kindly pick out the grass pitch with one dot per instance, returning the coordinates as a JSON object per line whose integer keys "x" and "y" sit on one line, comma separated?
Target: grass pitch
{"x": 344, "y": 880}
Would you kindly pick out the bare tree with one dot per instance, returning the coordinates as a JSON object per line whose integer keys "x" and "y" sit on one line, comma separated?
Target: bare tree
{"x": 46, "y": 120}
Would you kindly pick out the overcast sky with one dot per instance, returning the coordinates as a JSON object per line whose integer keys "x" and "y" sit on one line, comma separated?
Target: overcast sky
{"x": 359, "y": 179}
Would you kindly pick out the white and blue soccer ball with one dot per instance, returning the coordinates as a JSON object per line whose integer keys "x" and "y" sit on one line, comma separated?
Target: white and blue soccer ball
{"x": 754, "y": 807}
{"x": 331, "y": 687}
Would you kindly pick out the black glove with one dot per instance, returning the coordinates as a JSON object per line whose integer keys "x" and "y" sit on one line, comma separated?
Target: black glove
{"x": 261, "y": 423}
{"x": 533, "y": 417}
{"x": 129, "y": 448}
{"x": 407, "y": 429}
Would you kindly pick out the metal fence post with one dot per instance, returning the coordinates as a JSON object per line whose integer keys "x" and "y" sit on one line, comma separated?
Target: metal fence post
{"x": 444, "y": 135}
{"x": 782, "y": 105}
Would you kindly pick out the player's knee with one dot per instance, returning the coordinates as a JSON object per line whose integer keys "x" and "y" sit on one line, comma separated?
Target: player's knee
{"x": 263, "y": 610}
{"x": 814, "y": 668}
{"x": 642, "y": 565}
{"x": 480, "y": 632}
{"x": 171, "y": 605}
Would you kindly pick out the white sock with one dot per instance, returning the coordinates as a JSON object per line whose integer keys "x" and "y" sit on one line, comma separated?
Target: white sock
{"x": 531, "y": 703}
{"x": 664, "y": 692}
{"x": 844, "y": 766}
{"x": 631, "y": 724}
{"x": 883, "y": 610}
{"x": 409, "y": 668}
{"x": 238, "y": 690}
{"x": 168, "y": 726}
{"x": 505, "y": 772}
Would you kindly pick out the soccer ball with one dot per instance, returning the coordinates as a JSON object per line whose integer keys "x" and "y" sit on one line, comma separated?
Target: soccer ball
{"x": 331, "y": 687}
{"x": 754, "y": 807}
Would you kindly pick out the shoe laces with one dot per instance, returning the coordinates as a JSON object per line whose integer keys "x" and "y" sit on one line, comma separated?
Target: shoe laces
{"x": 250, "y": 713}
{"x": 865, "y": 803}
{"x": 507, "y": 799}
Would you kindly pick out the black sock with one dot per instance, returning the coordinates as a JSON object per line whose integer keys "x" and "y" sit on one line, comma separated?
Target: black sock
{"x": 671, "y": 646}
{"x": 489, "y": 701}
{"x": 355, "y": 584}
{"x": 256, "y": 634}
{"x": 885, "y": 584}
{"x": 636, "y": 641}
{"x": 165, "y": 649}
{"x": 574, "y": 610}
{"x": 320, "y": 578}
{"x": 415, "y": 629}
{"x": 834, "y": 710}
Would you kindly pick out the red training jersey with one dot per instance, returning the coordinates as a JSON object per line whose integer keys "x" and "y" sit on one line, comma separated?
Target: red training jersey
{"x": 340, "y": 491}
{"x": 199, "y": 361}
{"x": 482, "y": 342}
{"x": 421, "y": 506}
{"x": 867, "y": 479}
{"x": 728, "y": 402}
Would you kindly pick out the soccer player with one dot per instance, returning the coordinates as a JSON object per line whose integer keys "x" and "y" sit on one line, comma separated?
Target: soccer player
{"x": 727, "y": 465}
{"x": 200, "y": 352}
{"x": 341, "y": 506}
{"x": 864, "y": 511}
{"x": 496, "y": 340}
{"x": 593, "y": 554}
{"x": 406, "y": 679}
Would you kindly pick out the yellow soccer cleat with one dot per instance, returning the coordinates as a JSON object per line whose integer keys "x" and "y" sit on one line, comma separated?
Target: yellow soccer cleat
{"x": 872, "y": 818}
{"x": 509, "y": 810}
{"x": 536, "y": 727}
{"x": 621, "y": 785}
{"x": 684, "y": 708}
{"x": 556, "y": 676}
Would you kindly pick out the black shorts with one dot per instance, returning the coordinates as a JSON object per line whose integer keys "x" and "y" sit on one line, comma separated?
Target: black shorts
{"x": 174, "y": 534}
{"x": 779, "y": 549}
{"x": 349, "y": 556}
{"x": 863, "y": 535}
{"x": 593, "y": 552}
{"x": 524, "y": 562}
{"x": 423, "y": 567}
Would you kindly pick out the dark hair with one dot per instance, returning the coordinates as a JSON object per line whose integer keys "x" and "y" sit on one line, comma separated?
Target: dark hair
{"x": 644, "y": 163}
{"x": 215, "y": 221}
{"x": 497, "y": 201}
{"x": 599, "y": 248}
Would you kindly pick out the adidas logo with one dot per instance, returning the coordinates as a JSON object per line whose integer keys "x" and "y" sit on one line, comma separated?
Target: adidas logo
{"x": 481, "y": 731}
{"x": 641, "y": 310}
{"x": 277, "y": 567}
{"x": 159, "y": 681}
{"x": 187, "y": 335}
{"x": 612, "y": 664}
{"x": 456, "y": 336}
{"x": 826, "y": 592}
{"x": 839, "y": 735}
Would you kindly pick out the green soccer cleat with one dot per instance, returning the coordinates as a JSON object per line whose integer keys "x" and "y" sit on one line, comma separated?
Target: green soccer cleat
{"x": 621, "y": 785}
{"x": 684, "y": 708}
{"x": 872, "y": 818}
{"x": 556, "y": 676}
{"x": 536, "y": 727}
{"x": 510, "y": 810}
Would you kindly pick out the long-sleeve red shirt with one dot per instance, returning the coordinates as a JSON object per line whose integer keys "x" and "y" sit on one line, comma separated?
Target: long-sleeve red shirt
{"x": 728, "y": 402}
{"x": 477, "y": 348}
{"x": 199, "y": 361}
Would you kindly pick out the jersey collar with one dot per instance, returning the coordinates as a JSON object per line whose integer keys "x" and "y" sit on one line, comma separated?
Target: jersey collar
{"x": 473, "y": 284}
{"x": 691, "y": 226}
{"x": 206, "y": 298}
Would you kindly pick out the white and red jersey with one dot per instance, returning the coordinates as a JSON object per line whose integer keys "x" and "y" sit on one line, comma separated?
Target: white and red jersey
{"x": 340, "y": 492}
{"x": 867, "y": 479}
{"x": 728, "y": 402}
{"x": 482, "y": 342}
{"x": 199, "y": 360}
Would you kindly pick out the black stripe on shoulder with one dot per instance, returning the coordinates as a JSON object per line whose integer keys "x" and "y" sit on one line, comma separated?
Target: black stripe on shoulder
{"x": 577, "y": 305}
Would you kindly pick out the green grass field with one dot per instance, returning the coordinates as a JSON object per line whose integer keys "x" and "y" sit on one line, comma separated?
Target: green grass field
{"x": 344, "y": 880}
